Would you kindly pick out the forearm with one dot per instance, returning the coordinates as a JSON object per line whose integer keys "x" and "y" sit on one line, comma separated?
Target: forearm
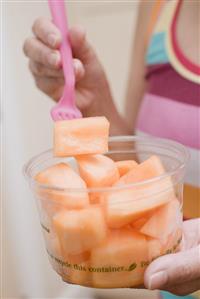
{"x": 105, "y": 106}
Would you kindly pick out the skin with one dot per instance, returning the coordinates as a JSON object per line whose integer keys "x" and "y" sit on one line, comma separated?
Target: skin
{"x": 178, "y": 273}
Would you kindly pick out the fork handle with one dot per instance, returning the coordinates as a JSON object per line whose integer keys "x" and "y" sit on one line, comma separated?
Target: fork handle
{"x": 57, "y": 8}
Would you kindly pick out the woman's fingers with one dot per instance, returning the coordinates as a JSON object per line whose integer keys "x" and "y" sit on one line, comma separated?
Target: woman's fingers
{"x": 47, "y": 32}
{"x": 79, "y": 69}
{"x": 50, "y": 86}
{"x": 174, "y": 269}
{"x": 40, "y": 70}
{"x": 80, "y": 46}
{"x": 37, "y": 51}
{"x": 43, "y": 48}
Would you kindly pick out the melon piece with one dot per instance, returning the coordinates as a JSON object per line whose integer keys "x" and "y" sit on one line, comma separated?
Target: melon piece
{"x": 163, "y": 221}
{"x": 53, "y": 245}
{"x": 61, "y": 176}
{"x": 148, "y": 169}
{"x": 78, "y": 274}
{"x": 173, "y": 242}
{"x": 81, "y": 136}
{"x": 124, "y": 206}
{"x": 125, "y": 166}
{"x": 77, "y": 258}
{"x": 80, "y": 230}
{"x": 154, "y": 249}
{"x": 138, "y": 224}
{"x": 117, "y": 262}
{"x": 97, "y": 171}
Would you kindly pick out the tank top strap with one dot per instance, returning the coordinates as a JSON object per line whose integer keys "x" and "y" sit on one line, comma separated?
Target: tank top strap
{"x": 155, "y": 12}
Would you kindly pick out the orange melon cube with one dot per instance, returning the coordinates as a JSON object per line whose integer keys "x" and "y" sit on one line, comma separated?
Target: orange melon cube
{"x": 148, "y": 169}
{"x": 173, "y": 242}
{"x": 81, "y": 136}
{"x": 77, "y": 258}
{"x": 124, "y": 206}
{"x": 117, "y": 262}
{"x": 80, "y": 230}
{"x": 98, "y": 171}
{"x": 163, "y": 221}
{"x": 154, "y": 249}
{"x": 125, "y": 166}
{"x": 53, "y": 245}
{"x": 78, "y": 274}
{"x": 138, "y": 224}
{"x": 75, "y": 269}
{"x": 129, "y": 204}
{"x": 61, "y": 176}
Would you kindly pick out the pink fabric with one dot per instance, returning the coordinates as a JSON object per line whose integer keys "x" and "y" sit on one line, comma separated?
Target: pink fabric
{"x": 166, "y": 118}
{"x": 180, "y": 55}
{"x": 163, "y": 80}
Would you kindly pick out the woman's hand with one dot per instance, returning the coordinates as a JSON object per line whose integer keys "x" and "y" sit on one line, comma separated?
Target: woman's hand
{"x": 45, "y": 64}
{"x": 92, "y": 89}
{"x": 178, "y": 273}
{"x": 93, "y": 96}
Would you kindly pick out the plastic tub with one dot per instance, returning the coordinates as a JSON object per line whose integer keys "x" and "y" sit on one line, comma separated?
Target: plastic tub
{"x": 109, "y": 244}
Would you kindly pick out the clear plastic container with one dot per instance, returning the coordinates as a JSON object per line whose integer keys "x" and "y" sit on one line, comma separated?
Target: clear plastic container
{"x": 109, "y": 243}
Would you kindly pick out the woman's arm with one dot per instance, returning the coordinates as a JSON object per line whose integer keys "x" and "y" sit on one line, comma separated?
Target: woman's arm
{"x": 124, "y": 125}
{"x": 136, "y": 83}
{"x": 93, "y": 94}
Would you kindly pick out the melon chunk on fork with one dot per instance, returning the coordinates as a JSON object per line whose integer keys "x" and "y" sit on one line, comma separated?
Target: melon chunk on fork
{"x": 81, "y": 136}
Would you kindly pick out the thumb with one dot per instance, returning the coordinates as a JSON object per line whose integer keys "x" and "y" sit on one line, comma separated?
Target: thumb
{"x": 173, "y": 269}
{"x": 80, "y": 47}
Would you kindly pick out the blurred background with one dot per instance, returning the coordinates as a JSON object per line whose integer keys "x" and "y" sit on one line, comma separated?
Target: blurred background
{"x": 27, "y": 130}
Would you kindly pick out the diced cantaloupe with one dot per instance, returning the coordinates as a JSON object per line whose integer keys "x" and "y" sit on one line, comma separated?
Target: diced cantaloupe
{"x": 78, "y": 274}
{"x": 81, "y": 136}
{"x": 173, "y": 242}
{"x": 80, "y": 230}
{"x": 124, "y": 206}
{"x": 148, "y": 169}
{"x": 75, "y": 269}
{"x": 98, "y": 171}
{"x": 53, "y": 245}
{"x": 77, "y": 258}
{"x": 154, "y": 249}
{"x": 125, "y": 166}
{"x": 163, "y": 221}
{"x": 51, "y": 207}
{"x": 61, "y": 176}
{"x": 138, "y": 224}
{"x": 117, "y": 262}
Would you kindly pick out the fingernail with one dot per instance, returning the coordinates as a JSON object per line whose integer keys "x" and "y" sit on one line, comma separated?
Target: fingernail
{"x": 52, "y": 39}
{"x": 157, "y": 280}
{"x": 76, "y": 65}
{"x": 54, "y": 59}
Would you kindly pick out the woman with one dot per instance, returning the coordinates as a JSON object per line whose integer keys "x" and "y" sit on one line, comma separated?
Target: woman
{"x": 163, "y": 100}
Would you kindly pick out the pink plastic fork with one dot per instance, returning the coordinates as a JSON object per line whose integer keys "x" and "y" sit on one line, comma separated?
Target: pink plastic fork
{"x": 66, "y": 108}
